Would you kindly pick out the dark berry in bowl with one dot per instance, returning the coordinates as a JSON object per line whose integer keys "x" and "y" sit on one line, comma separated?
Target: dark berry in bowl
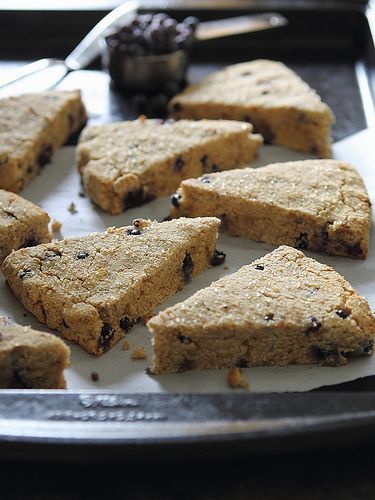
{"x": 149, "y": 53}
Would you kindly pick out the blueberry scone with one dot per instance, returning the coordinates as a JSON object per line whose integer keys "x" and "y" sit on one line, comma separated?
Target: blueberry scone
{"x": 32, "y": 126}
{"x": 318, "y": 205}
{"x": 126, "y": 164}
{"x": 281, "y": 106}
{"x": 282, "y": 309}
{"x": 94, "y": 288}
{"x": 30, "y": 359}
{"x": 22, "y": 224}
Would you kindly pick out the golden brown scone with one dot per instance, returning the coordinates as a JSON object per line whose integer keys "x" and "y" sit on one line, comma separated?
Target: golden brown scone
{"x": 281, "y": 106}
{"x": 32, "y": 126}
{"x": 94, "y": 288}
{"x": 282, "y": 309}
{"x": 319, "y": 205}
{"x": 22, "y": 224}
{"x": 126, "y": 164}
{"x": 30, "y": 359}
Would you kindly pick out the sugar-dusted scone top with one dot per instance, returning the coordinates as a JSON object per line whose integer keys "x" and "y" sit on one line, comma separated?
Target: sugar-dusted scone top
{"x": 22, "y": 224}
{"x": 281, "y": 106}
{"x": 30, "y": 359}
{"x": 125, "y": 164}
{"x": 319, "y": 205}
{"x": 32, "y": 126}
{"x": 94, "y": 288}
{"x": 284, "y": 308}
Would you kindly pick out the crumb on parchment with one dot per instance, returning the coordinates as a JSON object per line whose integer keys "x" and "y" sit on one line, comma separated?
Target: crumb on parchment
{"x": 56, "y": 226}
{"x": 72, "y": 208}
{"x": 139, "y": 353}
{"x": 236, "y": 380}
{"x": 94, "y": 376}
{"x": 125, "y": 345}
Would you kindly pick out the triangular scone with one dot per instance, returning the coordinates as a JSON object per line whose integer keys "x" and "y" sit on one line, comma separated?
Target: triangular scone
{"x": 32, "y": 126}
{"x": 94, "y": 288}
{"x": 30, "y": 359}
{"x": 281, "y": 106}
{"x": 318, "y": 205}
{"x": 282, "y": 309}
{"x": 126, "y": 164}
{"x": 22, "y": 224}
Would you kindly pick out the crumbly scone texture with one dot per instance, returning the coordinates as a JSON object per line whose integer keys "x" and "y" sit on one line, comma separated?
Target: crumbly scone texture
{"x": 30, "y": 359}
{"x": 32, "y": 126}
{"x": 126, "y": 164}
{"x": 282, "y": 309}
{"x": 281, "y": 106}
{"x": 319, "y": 205}
{"x": 94, "y": 288}
{"x": 22, "y": 224}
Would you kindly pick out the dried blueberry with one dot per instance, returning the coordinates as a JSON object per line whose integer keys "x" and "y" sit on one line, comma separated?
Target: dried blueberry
{"x": 204, "y": 162}
{"x": 45, "y": 155}
{"x": 328, "y": 355}
{"x": 125, "y": 324}
{"x": 133, "y": 232}
{"x": 367, "y": 347}
{"x": 187, "y": 268}
{"x": 71, "y": 120}
{"x": 242, "y": 363}
{"x": 184, "y": 339}
{"x": 218, "y": 258}
{"x": 354, "y": 250}
{"x": 135, "y": 198}
{"x": 206, "y": 180}
{"x": 175, "y": 199}
{"x": 18, "y": 379}
{"x": 140, "y": 102}
{"x": 177, "y": 107}
{"x": 259, "y": 267}
{"x": 215, "y": 168}
{"x": 266, "y": 131}
{"x": 302, "y": 241}
{"x": 106, "y": 335}
{"x": 30, "y": 242}
{"x": 192, "y": 22}
{"x": 343, "y": 313}
{"x": 171, "y": 88}
{"x": 82, "y": 254}
{"x": 52, "y": 254}
{"x": 158, "y": 104}
{"x": 269, "y": 317}
{"x": 26, "y": 273}
{"x": 186, "y": 364}
{"x": 178, "y": 164}
{"x": 314, "y": 326}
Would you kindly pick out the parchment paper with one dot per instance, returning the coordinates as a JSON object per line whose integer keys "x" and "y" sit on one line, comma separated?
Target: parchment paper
{"x": 59, "y": 185}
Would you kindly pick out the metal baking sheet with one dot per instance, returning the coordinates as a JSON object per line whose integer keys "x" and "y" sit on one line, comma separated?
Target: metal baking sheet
{"x": 121, "y": 412}
{"x": 59, "y": 186}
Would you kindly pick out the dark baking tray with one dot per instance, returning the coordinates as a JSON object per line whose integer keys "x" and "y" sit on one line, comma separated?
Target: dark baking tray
{"x": 331, "y": 45}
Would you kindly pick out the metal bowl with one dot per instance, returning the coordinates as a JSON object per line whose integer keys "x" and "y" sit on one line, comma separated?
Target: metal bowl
{"x": 145, "y": 73}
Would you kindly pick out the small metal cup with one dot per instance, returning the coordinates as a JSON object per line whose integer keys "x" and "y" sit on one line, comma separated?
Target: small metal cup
{"x": 145, "y": 73}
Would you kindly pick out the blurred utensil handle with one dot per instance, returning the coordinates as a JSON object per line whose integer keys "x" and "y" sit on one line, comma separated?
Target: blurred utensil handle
{"x": 238, "y": 25}
{"x": 30, "y": 69}
{"x": 85, "y": 52}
